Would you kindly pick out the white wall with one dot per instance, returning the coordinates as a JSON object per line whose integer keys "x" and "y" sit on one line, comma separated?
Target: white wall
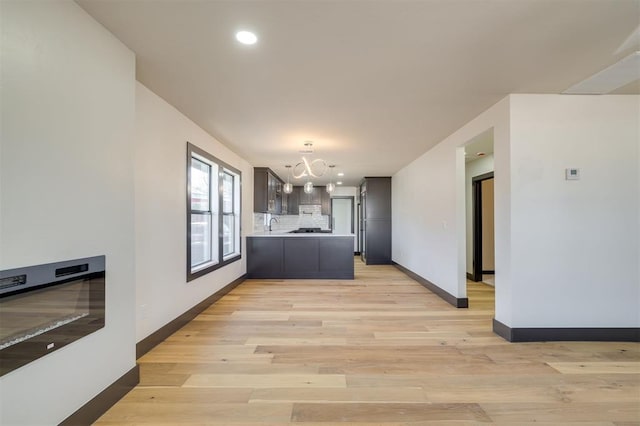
{"x": 472, "y": 169}
{"x": 428, "y": 203}
{"x": 566, "y": 251}
{"x": 66, "y": 189}
{"x": 162, "y": 292}
{"x": 345, "y": 191}
{"x": 575, "y": 243}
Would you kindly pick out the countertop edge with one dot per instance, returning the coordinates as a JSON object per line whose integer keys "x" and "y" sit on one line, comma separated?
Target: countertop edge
{"x": 298, "y": 235}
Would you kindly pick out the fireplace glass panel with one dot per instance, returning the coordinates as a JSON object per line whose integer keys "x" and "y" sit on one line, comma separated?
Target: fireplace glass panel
{"x": 55, "y": 305}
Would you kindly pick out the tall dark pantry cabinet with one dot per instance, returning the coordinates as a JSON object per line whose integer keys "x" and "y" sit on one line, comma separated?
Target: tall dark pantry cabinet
{"x": 375, "y": 226}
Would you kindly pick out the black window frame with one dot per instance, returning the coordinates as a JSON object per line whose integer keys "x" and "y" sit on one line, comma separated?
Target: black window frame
{"x": 222, "y": 166}
{"x": 232, "y": 213}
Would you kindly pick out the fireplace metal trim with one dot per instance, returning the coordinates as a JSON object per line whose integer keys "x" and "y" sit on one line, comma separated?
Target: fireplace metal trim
{"x": 18, "y": 280}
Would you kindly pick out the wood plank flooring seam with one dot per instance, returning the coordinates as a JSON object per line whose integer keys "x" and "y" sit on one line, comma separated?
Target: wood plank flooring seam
{"x": 377, "y": 351}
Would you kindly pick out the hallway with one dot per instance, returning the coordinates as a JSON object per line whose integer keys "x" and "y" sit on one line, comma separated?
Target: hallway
{"x": 380, "y": 350}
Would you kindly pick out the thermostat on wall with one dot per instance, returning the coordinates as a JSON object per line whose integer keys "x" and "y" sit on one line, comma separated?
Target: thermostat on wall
{"x": 572, "y": 174}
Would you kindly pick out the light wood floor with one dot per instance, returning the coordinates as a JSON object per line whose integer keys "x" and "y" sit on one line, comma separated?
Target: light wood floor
{"x": 380, "y": 350}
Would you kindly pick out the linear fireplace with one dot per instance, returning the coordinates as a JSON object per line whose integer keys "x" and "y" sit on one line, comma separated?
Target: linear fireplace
{"x": 45, "y": 307}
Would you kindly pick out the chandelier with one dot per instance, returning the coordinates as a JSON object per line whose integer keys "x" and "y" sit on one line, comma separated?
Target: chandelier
{"x": 309, "y": 169}
{"x": 306, "y": 168}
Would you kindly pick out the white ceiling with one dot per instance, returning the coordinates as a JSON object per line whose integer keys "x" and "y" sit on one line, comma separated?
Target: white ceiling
{"x": 373, "y": 84}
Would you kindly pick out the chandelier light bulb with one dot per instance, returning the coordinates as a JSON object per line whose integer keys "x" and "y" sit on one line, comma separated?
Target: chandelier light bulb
{"x": 330, "y": 186}
{"x": 308, "y": 187}
{"x": 288, "y": 188}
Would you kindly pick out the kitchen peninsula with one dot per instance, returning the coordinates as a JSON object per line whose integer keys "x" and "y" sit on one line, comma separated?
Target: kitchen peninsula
{"x": 300, "y": 255}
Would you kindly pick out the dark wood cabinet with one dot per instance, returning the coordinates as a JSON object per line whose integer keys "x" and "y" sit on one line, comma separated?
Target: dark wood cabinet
{"x": 321, "y": 257}
{"x": 267, "y": 191}
{"x": 285, "y": 203}
{"x": 375, "y": 199}
{"x": 269, "y": 196}
{"x": 265, "y": 256}
{"x": 315, "y": 197}
{"x": 325, "y": 202}
{"x": 293, "y": 201}
{"x": 319, "y": 197}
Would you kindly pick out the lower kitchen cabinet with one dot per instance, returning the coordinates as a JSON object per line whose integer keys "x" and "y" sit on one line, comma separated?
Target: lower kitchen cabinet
{"x": 320, "y": 257}
{"x": 265, "y": 255}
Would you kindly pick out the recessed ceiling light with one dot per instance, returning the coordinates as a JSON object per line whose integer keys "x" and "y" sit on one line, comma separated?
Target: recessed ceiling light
{"x": 246, "y": 37}
{"x": 338, "y": 183}
{"x": 340, "y": 174}
{"x": 481, "y": 154}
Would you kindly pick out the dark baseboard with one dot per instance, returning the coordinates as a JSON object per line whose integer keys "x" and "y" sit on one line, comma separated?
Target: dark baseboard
{"x": 604, "y": 334}
{"x": 97, "y": 406}
{"x": 151, "y": 341}
{"x": 92, "y": 410}
{"x": 502, "y": 330}
{"x": 381, "y": 261}
{"x": 470, "y": 277}
{"x": 458, "y": 302}
{"x": 356, "y": 253}
{"x": 490, "y": 272}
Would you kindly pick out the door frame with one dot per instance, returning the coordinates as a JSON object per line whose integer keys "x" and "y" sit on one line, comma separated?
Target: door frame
{"x": 476, "y": 189}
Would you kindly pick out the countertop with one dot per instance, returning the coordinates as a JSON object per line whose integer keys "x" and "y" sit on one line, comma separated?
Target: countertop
{"x": 298, "y": 235}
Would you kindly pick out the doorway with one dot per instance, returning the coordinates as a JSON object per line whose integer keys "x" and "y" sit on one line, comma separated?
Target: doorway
{"x": 483, "y": 229}
{"x": 479, "y": 208}
{"x": 342, "y": 216}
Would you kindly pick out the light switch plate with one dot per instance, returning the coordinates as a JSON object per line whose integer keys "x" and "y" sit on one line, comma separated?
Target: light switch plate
{"x": 572, "y": 174}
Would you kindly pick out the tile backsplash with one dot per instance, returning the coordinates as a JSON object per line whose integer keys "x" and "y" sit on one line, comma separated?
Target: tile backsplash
{"x": 310, "y": 216}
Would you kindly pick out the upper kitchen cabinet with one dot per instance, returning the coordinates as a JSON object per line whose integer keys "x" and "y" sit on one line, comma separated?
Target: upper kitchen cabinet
{"x": 378, "y": 193}
{"x": 293, "y": 201}
{"x": 267, "y": 191}
{"x": 285, "y": 203}
{"x": 315, "y": 197}
{"x": 319, "y": 197}
{"x": 325, "y": 201}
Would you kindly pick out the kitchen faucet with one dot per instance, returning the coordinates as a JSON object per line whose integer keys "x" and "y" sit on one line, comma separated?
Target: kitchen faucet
{"x": 271, "y": 221}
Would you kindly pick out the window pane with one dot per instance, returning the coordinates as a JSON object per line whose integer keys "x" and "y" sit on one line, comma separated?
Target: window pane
{"x": 214, "y": 203}
{"x": 200, "y": 185}
{"x": 200, "y": 239}
{"x": 228, "y": 231}
{"x": 227, "y": 193}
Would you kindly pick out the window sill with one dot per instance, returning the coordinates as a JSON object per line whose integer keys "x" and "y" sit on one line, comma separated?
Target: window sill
{"x": 192, "y": 275}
